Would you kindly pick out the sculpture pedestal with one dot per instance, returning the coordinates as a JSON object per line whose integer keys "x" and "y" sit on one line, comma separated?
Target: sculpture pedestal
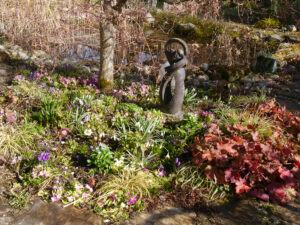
{"x": 174, "y": 117}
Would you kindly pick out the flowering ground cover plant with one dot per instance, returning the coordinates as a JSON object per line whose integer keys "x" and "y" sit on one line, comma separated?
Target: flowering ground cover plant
{"x": 66, "y": 141}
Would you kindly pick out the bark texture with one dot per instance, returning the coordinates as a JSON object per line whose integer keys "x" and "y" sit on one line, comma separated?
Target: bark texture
{"x": 107, "y": 47}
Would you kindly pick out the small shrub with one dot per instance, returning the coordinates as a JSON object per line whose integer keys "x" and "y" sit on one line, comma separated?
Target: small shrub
{"x": 129, "y": 108}
{"x": 234, "y": 116}
{"x": 138, "y": 135}
{"x": 28, "y": 89}
{"x": 190, "y": 97}
{"x": 102, "y": 158}
{"x": 190, "y": 176}
{"x": 16, "y": 140}
{"x": 268, "y": 23}
{"x": 50, "y": 112}
{"x": 240, "y": 157}
{"x": 249, "y": 100}
{"x": 123, "y": 191}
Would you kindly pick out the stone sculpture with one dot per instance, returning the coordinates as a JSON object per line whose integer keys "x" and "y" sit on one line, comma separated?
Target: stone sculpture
{"x": 171, "y": 103}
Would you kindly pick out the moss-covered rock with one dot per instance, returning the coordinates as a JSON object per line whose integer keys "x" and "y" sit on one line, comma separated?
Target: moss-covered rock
{"x": 268, "y": 23}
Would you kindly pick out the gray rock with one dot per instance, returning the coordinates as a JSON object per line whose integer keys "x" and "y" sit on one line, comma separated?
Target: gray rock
{"x": 6, "y": 73}
{"x": 292, "y": 38}
{"x": 248, "y": 85}
{"x": 202, "y": 78}
{"x": 204, "y": 66}
{"x": 292, "y": 68}
{"x": 188, "y": 26}
{"x": 165, "y": 216}
{"x": 22, "y": 55}
{"x": 195, "y": 82}
{"x": 86, "y": 69}
{"x": 292, "y": 28}
{"x": 149, "y": 18}
{"x": 95, "y": 69}
{"x": 274, "y": 77}
{"x": 264, "y": 83}
{"x": 208, "y": 84}
{"x": 4, "y": 55}
{"x": 281, "y": 63}
{"x": 5, "y": 214}
{"x": 275, "y": 38}
{"x": 42, "y": 213}
{"x": 2, "y": 28}
{"x": 48, "y": 63}
{"x": 284, "y": 45}
{"x": 250, "y": 78}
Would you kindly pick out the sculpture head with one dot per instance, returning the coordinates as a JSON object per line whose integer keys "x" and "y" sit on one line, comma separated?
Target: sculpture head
{"x": 175, "y": 55}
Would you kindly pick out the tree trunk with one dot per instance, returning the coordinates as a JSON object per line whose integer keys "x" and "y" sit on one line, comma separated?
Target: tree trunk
{"x": 107, "y": 47}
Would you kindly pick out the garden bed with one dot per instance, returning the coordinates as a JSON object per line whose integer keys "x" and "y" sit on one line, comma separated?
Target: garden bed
{"x": 116, "y": 153}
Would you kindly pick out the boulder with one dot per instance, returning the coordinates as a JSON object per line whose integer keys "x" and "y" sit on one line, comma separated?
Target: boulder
{"x": 204, "y": 66}
{"x": 274, "y": 77}
{"x": 6, "y": 72}
{"x": 264, "y": 64}
{"x": 292, "y": 28}
{"x": 250, "y": 79}
{"x": 2, "y": 29}
{"x": 275, "y": 38}
{"x": 202, "y": 78}
{"x": 4, "y": 55}
{"x": 281, "y": 63}
{"x": 188, "y": 26}
{"x": 149, "y": 18}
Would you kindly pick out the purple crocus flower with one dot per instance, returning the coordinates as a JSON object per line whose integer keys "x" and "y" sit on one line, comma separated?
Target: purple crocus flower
{"x": 44, "y": 156}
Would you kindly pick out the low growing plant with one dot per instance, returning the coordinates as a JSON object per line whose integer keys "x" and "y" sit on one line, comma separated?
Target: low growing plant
{"x": 50, "y": 112}
{"x": 102, "y": 158}
{"x": 240, "y": 157}
{"x": 191, "y": 176}
{"x": 123, "y": 191}
{"x": 17, "y": 140}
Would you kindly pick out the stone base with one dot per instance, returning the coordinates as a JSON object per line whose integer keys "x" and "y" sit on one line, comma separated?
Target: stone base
{"x": 175, "y": 117}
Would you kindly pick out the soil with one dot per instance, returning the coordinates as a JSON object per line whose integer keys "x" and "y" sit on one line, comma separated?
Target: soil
{"x": 289, "y": 95}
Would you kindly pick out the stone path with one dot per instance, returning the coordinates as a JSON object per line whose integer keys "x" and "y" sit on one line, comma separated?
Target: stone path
{"x": 235, "y": 212}
{"x": 41, "y": 213}
{"x": 290, "y": 94}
